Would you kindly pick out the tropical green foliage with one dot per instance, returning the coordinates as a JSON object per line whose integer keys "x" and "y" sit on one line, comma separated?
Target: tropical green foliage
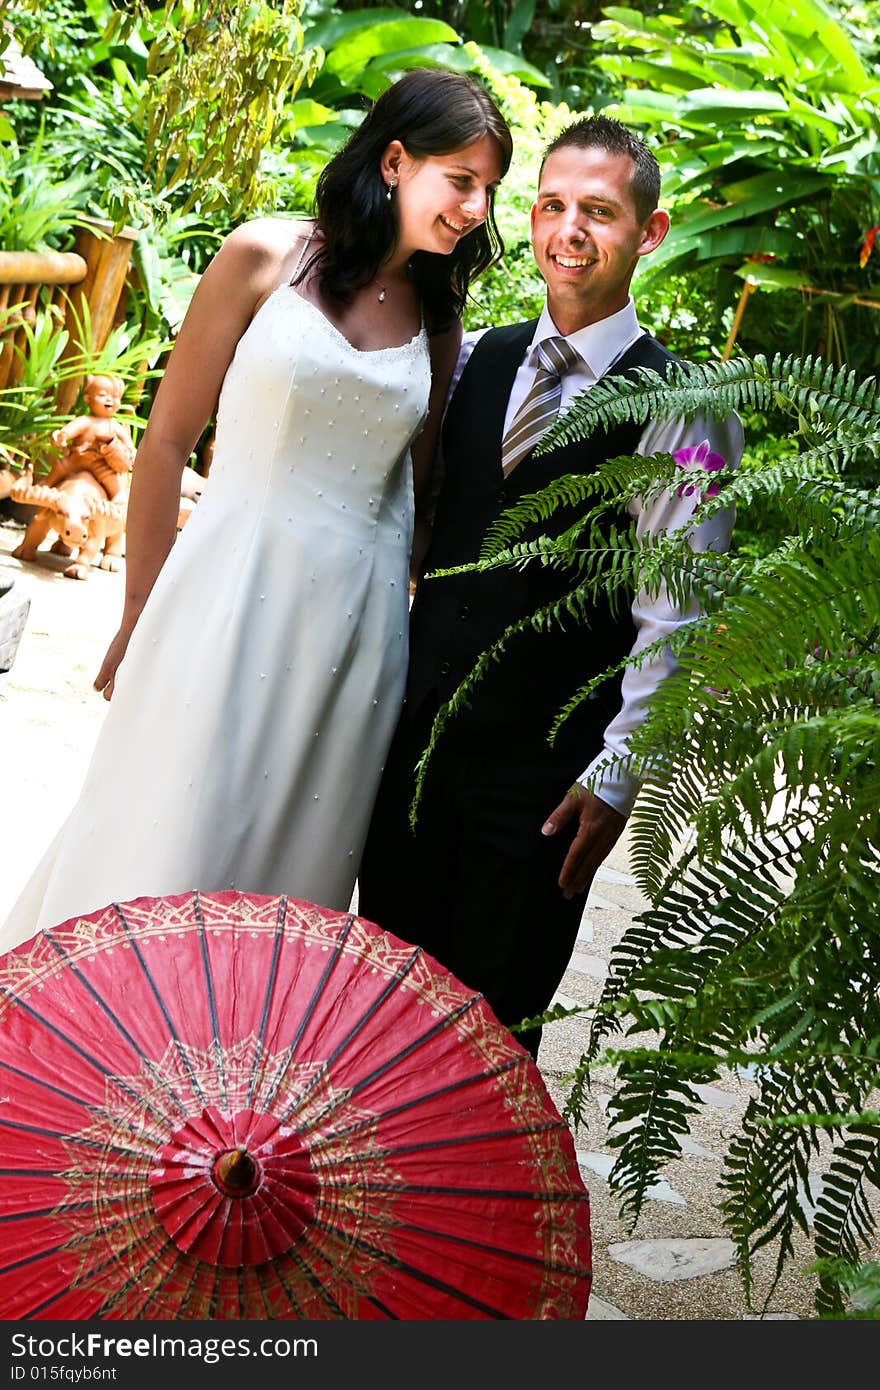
{"x": 228, "y": 107}
{"x": 554, "y": 38}
{"x": 95, "y": 131}
{"x": 38, "y": 204}
{"x": 766, "y": 122}
{"x": 27, "y": 411}
{"x": 365, "y": 50}
{"x": 757, "y": 835}
{"x": 212, "y": 81}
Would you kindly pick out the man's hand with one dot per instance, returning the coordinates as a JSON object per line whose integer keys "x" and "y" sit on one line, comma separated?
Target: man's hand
{"x": 599, "y": 829}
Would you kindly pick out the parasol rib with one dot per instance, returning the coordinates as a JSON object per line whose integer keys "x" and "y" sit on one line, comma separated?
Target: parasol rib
{"x": 392, "y": 985}
{"x": 272, "y": 976}
{"x": 117, "y": 1024}
{"x": 405, "y": 1106}
{"x": 61, "y": 1036}
{"x": 456, "y": 1140}
{"x": 421, "y": 1041}
{"x": 361, "y": 1023}
{"x": 37, "y": 1080}
{"x": 160, "y": 1002}
{"x": 522, "y": 1256}
{"x": 310, "y": 1010}
{"x": 312, "y": 1279}
{"x": 421, "y": 1276}
{"x": 212, "y": 998}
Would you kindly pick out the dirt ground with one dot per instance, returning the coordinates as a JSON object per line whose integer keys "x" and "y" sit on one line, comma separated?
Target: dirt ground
{"x": 49, "y": 713}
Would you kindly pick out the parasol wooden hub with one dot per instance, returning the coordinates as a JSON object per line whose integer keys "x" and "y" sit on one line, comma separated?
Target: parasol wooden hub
{"x": 236, "y": 1173}
{"x": 233, "y": 1187}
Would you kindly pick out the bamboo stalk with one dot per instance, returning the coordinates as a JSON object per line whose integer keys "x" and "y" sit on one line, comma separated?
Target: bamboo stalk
{"x": 41, "y": 268}
{"x": 107, "y": 260}
{"x": 27, "y": 315}
{"x": 7, "y": 356}
{"x": 840, "y": 294}
{"x": 747, "y": 290}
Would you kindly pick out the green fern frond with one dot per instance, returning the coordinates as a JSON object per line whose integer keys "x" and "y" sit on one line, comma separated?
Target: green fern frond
{"x": 756, "y": 835}
{"x": 616, "y": 479}
{"x": 765, "y": 1175}
{"x": 805, "y": 387}
{"x": 792, "y": 484}
{"x": 659, "y": 1097}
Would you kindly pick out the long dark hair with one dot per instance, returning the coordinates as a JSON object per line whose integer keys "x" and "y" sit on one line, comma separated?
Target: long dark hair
{"x": 430, "y": 112}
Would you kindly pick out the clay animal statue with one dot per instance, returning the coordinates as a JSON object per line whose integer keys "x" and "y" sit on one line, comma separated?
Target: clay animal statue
{"x": 83, "y": 517}
{"x": 95, "y": 442}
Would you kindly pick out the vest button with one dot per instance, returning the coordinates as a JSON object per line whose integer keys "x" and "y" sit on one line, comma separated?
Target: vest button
{"x": 502, "y": 494}
{"x": 445, "y": 667}
{"x": 464, "y": 611}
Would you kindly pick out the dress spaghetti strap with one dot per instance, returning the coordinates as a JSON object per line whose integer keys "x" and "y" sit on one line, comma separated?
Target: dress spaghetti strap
{"x": 305, "y": 246}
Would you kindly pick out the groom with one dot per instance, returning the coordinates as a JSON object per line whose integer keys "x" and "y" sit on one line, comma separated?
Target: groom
{"x": 494, "y": 882}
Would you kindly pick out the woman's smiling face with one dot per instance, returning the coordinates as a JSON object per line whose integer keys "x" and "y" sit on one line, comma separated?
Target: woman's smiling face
{"x": 442, "y": 197}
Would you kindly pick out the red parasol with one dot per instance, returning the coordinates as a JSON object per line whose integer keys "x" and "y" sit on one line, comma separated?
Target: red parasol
{"x": 235, "y": 1106}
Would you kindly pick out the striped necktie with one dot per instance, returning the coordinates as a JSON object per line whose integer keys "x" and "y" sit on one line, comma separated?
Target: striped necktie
{"x": 541, "y": 405}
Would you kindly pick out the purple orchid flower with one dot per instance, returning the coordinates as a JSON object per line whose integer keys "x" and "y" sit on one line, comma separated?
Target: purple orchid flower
{"x": 699, "y": 456}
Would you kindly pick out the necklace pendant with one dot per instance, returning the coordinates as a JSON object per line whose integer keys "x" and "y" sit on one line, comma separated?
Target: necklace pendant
{"x": 382, "y": 295}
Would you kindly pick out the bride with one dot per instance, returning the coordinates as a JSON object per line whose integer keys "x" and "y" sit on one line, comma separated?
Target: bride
{"x": 258, "y": 671}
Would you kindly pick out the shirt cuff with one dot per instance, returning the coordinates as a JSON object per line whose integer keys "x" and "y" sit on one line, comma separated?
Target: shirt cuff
{"x": 610, "y": 780}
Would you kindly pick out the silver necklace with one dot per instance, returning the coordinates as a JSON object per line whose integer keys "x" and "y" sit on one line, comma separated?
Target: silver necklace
{"x": 383, "y": 289}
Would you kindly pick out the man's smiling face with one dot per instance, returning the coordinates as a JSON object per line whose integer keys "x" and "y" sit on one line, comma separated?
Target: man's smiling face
{"x": 586, "y": 236}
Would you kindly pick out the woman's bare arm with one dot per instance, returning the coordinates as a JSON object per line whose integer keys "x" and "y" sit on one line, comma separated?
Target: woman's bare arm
{"x": 244, "y": 271}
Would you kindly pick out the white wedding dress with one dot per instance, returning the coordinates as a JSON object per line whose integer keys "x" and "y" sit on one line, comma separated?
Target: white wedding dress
{"x": 255, "y": 704}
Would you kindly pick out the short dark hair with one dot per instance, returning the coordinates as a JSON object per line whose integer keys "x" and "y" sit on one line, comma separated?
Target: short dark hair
{"x": 430, "y": 111}
{"x": 601, "y": 132}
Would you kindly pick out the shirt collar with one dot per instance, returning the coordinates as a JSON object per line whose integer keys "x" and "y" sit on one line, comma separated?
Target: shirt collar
{"x": 599, "y": 344}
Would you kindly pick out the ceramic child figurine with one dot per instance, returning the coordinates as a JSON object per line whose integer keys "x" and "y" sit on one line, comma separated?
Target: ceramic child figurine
{"x": 96, "y": 443}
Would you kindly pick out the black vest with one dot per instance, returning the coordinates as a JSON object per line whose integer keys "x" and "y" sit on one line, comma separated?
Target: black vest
{"x": 455, "y": 619}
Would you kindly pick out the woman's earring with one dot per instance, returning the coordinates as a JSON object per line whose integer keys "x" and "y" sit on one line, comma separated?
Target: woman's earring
{"x": 392, "y": 184}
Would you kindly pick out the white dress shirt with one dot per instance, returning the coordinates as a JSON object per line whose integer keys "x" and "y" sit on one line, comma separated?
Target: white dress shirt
{"x": 599, "y": 346}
